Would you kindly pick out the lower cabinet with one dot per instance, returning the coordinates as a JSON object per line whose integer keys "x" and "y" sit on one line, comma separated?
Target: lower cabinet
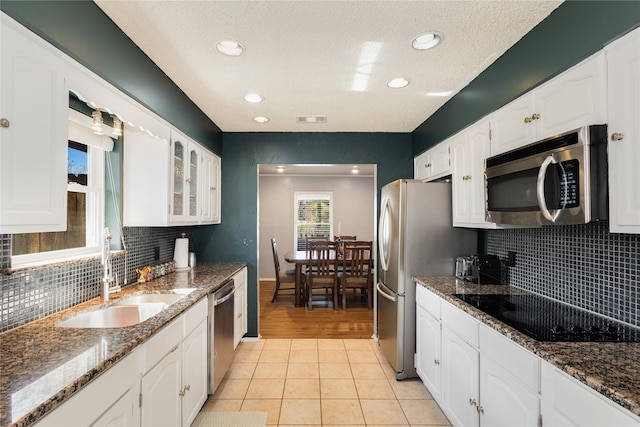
{"x": 240, "y": 306}
{"x": 460, "y": 400}
{"x": 109, "y": 400}
{"x": 428, "y": 351}
{"x": 174, "y": 388}
{"x": 567, "y": 402}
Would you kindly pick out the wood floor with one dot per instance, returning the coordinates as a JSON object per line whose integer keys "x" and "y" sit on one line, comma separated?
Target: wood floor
{"x": 282, "y": 319}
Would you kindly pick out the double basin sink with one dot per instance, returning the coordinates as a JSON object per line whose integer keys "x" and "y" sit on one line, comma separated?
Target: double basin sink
{"x": 127, "y": 311}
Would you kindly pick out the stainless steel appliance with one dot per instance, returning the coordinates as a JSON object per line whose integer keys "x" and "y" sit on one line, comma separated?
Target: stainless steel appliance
{"x": 221, "y": 324}
{"x": 482, "y": 269}
{"x": 560, "y": 180}
{"x": 544, "y": 319}
{"x": 415, "y": 238}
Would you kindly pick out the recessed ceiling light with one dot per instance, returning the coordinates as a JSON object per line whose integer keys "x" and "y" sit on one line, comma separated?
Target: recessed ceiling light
{"x": 253, "y": 98}
{"x": 398, "y": 83}
{"x": 311, "y": 119}
{"x": 261, "y": 119}
{"x": 426, "y": 41}
{"x": 229, "y": 47}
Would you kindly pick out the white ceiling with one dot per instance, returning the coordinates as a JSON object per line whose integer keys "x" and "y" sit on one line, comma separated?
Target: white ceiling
{"x": 303, "y": 56}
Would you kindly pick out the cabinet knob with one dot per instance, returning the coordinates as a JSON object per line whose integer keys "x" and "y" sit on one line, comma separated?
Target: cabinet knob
{"x": 473, "y": 402}
{"x": 480, "y": 409}
{"x": 535, "y": 116}
{"x": 436, "y": 361}
{"x": 428, "y": 165}
{"x": 617, "y": 136}
{"x": 527, "y": 119}
{"x": 4, "y": 123}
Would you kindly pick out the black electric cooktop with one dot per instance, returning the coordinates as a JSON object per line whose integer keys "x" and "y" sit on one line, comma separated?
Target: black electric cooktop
{"x": 546, "y": 320}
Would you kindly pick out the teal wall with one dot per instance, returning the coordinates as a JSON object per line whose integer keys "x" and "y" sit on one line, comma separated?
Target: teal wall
{"x": 574, "y": 31}
{"x": 81, "y": 30}
{"x": 235, "y": 239}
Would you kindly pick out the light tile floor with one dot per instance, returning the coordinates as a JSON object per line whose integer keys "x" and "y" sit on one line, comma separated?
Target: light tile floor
{"x": 322, "y": 382}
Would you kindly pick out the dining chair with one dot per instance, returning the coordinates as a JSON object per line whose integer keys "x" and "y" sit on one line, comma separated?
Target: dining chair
{"x": 356, "y": 272}
{"x": 288, "y": 277}
{"x": 321, "y": 273}
{"x": 340, "y": 240}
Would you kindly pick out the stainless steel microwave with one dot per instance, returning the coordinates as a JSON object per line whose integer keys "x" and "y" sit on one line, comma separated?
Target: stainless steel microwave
{"x": 559, "y": 180}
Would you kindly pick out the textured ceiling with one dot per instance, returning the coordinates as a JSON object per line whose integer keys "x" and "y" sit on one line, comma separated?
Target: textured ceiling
{"x": 303, "y": 56}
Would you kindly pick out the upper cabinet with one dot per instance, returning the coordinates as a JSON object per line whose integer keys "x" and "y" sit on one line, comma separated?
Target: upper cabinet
{"x": 623, "y": 57}
{"x": 575, "y": 98}
{"x": 33, "y": 134}
{"x": 169, "y": 181}
{"x": 433, "y": 163}
{"x": 210, "y": 199}
{"x": 469, "y": 148}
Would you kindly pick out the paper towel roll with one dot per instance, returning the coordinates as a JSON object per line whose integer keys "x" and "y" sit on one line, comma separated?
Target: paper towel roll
{"x": 181, "y": 253}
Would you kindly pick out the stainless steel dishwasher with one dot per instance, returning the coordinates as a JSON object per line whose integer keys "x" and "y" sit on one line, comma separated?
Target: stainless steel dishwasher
{"x": 221, "y": 324}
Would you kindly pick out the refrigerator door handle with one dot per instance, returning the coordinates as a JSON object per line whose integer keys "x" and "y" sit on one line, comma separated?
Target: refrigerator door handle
{"x": 384, "y": 294}
{"x": 384, "y": 235}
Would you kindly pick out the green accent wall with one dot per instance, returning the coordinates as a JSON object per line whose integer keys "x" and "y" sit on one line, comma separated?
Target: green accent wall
{"x": 235, "y": 238}
{"x": 81, "y": 30}
{"x": 571, "y": 33}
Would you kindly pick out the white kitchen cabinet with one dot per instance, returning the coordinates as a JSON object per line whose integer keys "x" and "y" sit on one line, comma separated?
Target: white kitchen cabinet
{"x": 194, "y": 373}
{"x": 567, "y": 402}
{"x": 460, "y": 376}
{"x": 211, "y": 194}
{"x": 469, "y": 149}
{"x": 433, "y": 163}
{"x": 165, "y": 177}
{"x": 174, "y": 369}
{"x": 33, "y": 146}
{"x": 428, "y": 347}
{"x": 145, "y": 172}
{"x": 240, "y": 306}
{"x": 509, "y": 382}
{"x": 623, "y": 58}
{"x": 575, "y": 98}
{"x": 110, "y": 399}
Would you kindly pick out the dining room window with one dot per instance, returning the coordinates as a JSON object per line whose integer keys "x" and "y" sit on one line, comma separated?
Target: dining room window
{"x": 313, "y": 216}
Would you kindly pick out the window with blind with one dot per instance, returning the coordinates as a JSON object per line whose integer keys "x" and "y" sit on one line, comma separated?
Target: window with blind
{"x": 313, "y": 216}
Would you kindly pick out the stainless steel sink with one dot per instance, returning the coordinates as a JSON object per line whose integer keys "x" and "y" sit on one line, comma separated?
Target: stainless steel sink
{"x": 127, "y": 311}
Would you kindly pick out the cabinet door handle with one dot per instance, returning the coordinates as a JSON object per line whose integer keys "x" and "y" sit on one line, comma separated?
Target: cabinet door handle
{"x": 4, "y": 123}
{"x": 617, "y": 136}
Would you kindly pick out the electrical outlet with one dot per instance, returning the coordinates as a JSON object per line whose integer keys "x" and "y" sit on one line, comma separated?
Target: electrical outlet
{"x": 511, "y": 259}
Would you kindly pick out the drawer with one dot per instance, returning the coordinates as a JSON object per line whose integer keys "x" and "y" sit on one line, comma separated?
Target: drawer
{"x": 161, "y": 344}
{"x": 521, "y": 364}
{"x": 459, "y": 322}
{"x": 195, "y": 315}
{"x": 428, "y": 300}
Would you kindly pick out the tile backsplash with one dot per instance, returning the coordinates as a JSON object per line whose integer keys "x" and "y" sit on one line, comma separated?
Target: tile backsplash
{"x": 31, "y": 294}
{"x": 582, "y": 265}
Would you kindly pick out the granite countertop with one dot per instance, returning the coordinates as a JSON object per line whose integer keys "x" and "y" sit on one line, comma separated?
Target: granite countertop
{"x": 42, "y": 364}
{"x": 611, "y": 369}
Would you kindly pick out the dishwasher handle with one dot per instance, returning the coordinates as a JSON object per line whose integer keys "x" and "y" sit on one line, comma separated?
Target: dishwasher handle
{"x": 217, "y": 299}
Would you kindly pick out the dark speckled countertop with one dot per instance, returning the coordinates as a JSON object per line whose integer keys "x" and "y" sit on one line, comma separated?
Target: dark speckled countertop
{"x": 42, "y": 364}
{"x": 611, "y": 369}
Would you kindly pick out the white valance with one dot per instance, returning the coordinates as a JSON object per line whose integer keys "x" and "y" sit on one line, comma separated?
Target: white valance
{"x": 80, "y": 131}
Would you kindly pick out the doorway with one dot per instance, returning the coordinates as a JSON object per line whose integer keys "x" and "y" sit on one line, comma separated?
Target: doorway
{"x": 354, "y": 198}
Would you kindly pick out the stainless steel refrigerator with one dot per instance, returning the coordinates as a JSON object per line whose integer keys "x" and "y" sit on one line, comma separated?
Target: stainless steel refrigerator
{"x": 415, "y": 238}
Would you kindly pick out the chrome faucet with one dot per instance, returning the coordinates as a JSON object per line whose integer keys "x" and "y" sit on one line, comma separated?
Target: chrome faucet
{"x": 108, "y": 286}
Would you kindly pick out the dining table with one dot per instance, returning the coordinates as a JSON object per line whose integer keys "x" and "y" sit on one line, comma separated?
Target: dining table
{"x": 300, "y": 259}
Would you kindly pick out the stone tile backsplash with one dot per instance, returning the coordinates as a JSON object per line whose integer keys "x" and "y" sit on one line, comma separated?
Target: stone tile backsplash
{"x": 31, "y": 294}
{"x": 582, "y": 265}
